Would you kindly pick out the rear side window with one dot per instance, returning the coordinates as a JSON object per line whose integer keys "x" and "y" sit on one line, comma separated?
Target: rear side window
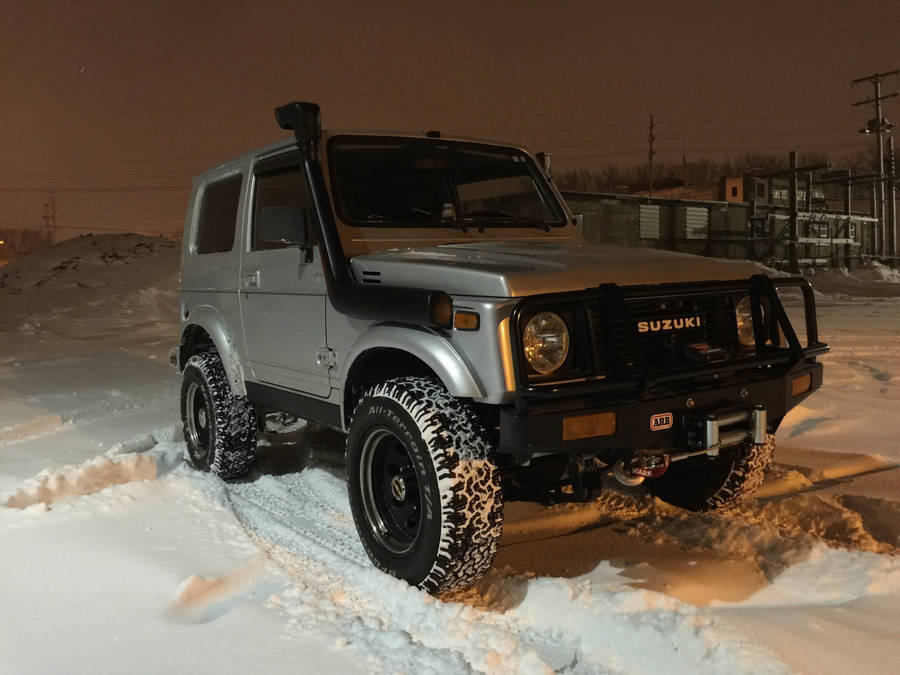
{"x": 218, "y": 215}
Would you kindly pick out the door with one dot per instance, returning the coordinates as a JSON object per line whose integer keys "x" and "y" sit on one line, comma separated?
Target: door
{"x": 282, "y": 296}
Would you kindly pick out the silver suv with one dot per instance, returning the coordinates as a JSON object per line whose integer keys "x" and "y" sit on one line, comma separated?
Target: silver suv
{"x": 433, "y": 298}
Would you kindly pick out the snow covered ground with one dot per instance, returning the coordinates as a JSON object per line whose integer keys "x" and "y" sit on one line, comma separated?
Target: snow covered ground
{"x": 116, "y": 556}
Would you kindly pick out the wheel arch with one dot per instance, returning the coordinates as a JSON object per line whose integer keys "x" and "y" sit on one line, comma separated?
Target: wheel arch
{"x": 203, "y": 331}
{"x": 388, "y": 351}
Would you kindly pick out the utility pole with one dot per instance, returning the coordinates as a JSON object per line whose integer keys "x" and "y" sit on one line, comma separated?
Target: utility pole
{"x": 793, "y": 248}
{"x": 650, "y": 154}
{"x": 50, "y": 217}
{"x": 793, "y": 172}
{"x": 848, "y": 209}
{"x": 876, "y": 231}
{"x": 879, "y": 125}
{"x": 892, "y": 200}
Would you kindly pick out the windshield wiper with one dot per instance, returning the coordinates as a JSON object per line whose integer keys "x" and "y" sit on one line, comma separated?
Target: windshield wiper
{"x": 498, "y": 217}
{"x": 403, "y": 216}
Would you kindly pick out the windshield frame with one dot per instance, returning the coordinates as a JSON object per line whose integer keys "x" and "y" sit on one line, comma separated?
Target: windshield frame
{"x": 461, "y": 221}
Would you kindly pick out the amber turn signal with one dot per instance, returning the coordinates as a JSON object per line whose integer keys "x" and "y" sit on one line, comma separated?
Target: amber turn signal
{"x": 587, "y": 426}
{"x": 465, "y": 321}
{"x": 440, "y": 306}
{"x": 801, "y": 384}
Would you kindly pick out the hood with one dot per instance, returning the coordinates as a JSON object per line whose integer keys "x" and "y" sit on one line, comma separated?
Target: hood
{"x": 517, "y": 269}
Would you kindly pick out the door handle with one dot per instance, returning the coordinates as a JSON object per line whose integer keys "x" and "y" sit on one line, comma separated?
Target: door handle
{"x": 251, "y": 280}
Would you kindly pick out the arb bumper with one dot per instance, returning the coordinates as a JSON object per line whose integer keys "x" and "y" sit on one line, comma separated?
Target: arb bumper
{"x": 689, "y": 422}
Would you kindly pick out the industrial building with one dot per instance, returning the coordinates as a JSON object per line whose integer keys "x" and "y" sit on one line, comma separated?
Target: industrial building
{"x": 795, "y": 218}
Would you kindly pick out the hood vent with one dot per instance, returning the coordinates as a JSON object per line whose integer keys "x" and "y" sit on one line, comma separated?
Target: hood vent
{"x": 371, "y": 277}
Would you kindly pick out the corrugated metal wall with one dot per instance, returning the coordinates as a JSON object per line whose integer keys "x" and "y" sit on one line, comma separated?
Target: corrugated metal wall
{"x": 696, "y": 221}
{"x": 710, "y": 228}
{"x": 648, "y": 221}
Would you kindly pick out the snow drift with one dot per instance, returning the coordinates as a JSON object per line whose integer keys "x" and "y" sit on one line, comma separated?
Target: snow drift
{"x": 174, "y": 570}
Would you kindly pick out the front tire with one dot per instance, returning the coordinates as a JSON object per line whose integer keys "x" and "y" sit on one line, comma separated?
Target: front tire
{"x": 219, "y": 426}
{"x": 706, "y": 484}
{"x": 424, "y": 491}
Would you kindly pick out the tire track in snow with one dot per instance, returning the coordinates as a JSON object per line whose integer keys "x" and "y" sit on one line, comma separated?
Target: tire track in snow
{"x": 302, "y": 522}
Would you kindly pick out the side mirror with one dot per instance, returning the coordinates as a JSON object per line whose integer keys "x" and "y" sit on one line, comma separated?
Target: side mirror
{"x": 283, "y": 225}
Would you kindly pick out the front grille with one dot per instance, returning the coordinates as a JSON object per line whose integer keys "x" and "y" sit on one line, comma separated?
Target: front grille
{"x": 613, "y": 351}
{"x": 670, "y": 338}
{"x": 611, "y": 357}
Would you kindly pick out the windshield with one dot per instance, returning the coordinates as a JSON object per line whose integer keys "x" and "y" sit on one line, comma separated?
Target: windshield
{"x": 430, "y": 182}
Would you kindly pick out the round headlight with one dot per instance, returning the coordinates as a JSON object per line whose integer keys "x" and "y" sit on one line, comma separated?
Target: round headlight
{"x": 546, "y": 342}
{"x": 743, "y": 315}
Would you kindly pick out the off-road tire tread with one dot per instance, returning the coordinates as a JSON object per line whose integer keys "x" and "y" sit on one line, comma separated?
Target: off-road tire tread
{"x": 234, "y": 437}
{"x": 469, "y": 481}
{"x": 747, "y": 474}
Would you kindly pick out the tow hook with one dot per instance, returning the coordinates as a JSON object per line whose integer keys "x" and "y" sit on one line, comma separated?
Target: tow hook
{"x": 706, "y": 435}
{"x": 635, "y": 470}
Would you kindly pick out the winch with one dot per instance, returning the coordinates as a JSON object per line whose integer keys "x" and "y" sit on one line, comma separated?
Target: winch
{"x": 705, "y": 434}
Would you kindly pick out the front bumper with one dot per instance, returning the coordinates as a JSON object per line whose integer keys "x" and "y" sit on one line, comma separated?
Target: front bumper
{"x": 539, "y": 429}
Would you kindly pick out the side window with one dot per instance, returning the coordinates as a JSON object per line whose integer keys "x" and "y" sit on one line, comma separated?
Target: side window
{"x": 283, "y": 189}
{"x": 218, "y": 215}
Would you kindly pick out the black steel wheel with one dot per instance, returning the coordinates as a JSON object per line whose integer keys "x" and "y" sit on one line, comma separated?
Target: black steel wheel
{"x": 390, "y": 491}
{"x": 424, "y": 491}
{"x": 219, "y": 426}
{"x": 197, "y": 419}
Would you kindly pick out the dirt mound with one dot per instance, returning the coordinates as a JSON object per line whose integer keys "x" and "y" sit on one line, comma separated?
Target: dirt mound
{"x": 104, "y": 291}
{"x": 91, "y": 261}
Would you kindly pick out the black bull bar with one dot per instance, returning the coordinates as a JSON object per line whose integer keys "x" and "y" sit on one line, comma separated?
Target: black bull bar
{"x": 761, "y": 378}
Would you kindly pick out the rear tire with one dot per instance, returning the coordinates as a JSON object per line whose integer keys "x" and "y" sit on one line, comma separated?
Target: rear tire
{"x": 424, "y": 491}
{"x": 219, "y": 426}
{"x": 705, "y": 484}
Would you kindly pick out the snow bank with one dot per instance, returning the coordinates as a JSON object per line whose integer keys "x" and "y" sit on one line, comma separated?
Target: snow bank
{"x": 607, "y": 620}
{"x": 873, "y": 280}
{"x": 102, "y": 472}
{"x": 125, "y": 462}
{"x": 269, "y": 571}
{"x": 89, "y": 294}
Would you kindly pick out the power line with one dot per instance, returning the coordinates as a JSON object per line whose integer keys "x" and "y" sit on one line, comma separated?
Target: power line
{"x": 695, "y": 136}
{"x": 760, "y": 119}
{"x": 551, "y": 145}
{"x": 19, "y": 225}
{"x": 732, "y": 120}
{"x": 115, "y": 161}
{"x": 73, "y": 188}
{"x": 76, "y": 176}
{"x": 79, "y": 228}
{"x": 523, "y": 132}
{"x": 100, "y": 229}
{"x": 92, "y": 208}
{"x": 761, "y": 150}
